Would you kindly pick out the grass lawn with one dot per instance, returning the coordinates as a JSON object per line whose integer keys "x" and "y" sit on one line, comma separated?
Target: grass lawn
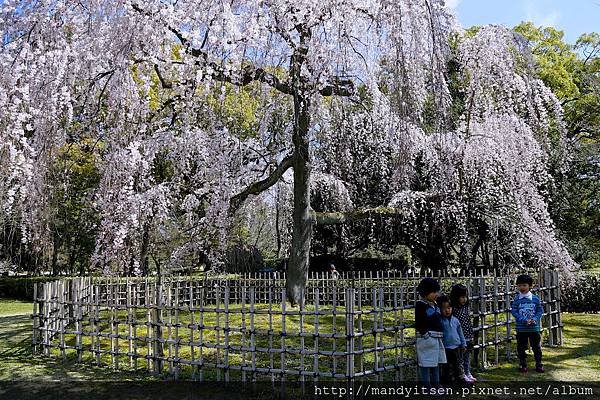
{"x": 578, "y": 359}
{"x": 17, "y": 362}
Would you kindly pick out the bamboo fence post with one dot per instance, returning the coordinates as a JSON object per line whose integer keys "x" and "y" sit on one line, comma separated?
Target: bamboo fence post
{"x": 177, "y": 361}
{"x": 157, "y": 323}
{"x": 226, "y": 331}
{"x": 218, "y": 330}
{"x": 190, "y": 306}
{"x": 547, "y": 301}
{"x": 97, "y": 322}
{"x": 495, "y": 307}
{"x": 377, "y": 327}
{"x": 396, "y": 327}
{"x": 559, "y": 339}
{"x": 483, "y": 313}
{"x": 553, "y": 308}
{"x": 283, "y": 331}
{"x": 316, "y": 335}
{"x": 202, "y": 292}
{"x": 475, "y": 290}
{"x": 350, "y": 333}
{"x": 148, "y": 302}
{"x": 359, "y": 340}
{"x": 78, "y": 321}
{"x": 541, "y": 294}
{"x": 401, "y": 331}
{"x": 252, "y": 293}
{"x": 507, "y": 307}
{"x": 114, "y": 324}
{"x": 333, "y": 291}
{"x": 45, "y": 318}
{"x": 35, "y": 319}
{"x": 130, "y": 323}
{"x": 244, "y": 332}
{"x": 301, "y": 308}
{"x": 48, "y": 292}
{"x": 169, "y": 305}
{"x": 54, "y": 311}
{"x": 61, "y": 304}
{"x": 271, "y": 355}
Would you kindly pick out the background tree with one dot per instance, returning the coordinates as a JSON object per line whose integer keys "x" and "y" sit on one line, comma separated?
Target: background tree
{"x": 572, "y": 72}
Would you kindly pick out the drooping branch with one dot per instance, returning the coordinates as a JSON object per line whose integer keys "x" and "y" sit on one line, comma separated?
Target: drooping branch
{"x": 260, "y": 186}
{"x": 338, "y": 218}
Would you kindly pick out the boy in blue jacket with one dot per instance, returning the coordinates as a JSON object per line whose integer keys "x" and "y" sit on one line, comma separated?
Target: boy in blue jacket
{"x": 454, "y": 344}
{"x": 527, "y": 310}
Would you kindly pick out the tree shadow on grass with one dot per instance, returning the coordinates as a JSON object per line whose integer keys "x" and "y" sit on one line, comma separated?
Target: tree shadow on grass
{"x": 14, "y": 326}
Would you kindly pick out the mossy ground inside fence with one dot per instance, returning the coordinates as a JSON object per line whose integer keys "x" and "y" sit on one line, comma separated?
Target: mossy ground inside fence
{"x": 308, "y": 353}
{"x": 578, "y": 359}
{"x": 134, "y": 346}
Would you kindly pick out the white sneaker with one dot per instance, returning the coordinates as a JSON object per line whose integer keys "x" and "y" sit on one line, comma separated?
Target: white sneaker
{"x": 472, "y": 378}
{"x": 468, "y": 379}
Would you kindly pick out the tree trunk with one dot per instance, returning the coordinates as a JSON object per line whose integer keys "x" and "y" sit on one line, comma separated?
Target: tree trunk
{"x": 144, "y": 249}
{"x": 277, "y": 231}
{"x": 55, "y": 248}
{"x": 297, "y": 272}
{"x": 71, "y": 262}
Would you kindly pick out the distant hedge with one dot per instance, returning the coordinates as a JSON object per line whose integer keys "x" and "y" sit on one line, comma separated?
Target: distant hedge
{"x": 21, "y": 288}
{"x": 583, "y": 295}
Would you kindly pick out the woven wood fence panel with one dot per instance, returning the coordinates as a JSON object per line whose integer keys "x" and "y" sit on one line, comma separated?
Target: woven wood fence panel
{"x": 224, "y": 327}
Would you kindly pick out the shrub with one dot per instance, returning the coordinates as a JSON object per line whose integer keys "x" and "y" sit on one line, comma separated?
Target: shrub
{"x": 582, "y": 294}
{"x": 21, "y": 288}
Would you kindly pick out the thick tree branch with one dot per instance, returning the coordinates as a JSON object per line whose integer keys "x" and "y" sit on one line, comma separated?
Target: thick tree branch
{"x": 260, "y": 186}
{"x": 338, "y": 87}
{"x": 163, "y": 82}
{"x": 249, "y": 73}
{"x": 337, "y": 218}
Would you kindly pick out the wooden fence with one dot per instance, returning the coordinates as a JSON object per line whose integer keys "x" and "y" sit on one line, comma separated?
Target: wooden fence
{"x": 223, "y": 327}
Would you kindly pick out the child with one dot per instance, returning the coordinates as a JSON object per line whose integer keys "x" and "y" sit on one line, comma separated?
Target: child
{"x": 459, "y": 299}
{"x": 527, "y": 310}
{"x": 454, "y": 343}
{"x": 428, "y": 326}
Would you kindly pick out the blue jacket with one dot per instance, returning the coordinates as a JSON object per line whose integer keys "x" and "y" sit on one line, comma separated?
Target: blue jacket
{"x": 525, "y": 308}
{"x": 453, "y": 333}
